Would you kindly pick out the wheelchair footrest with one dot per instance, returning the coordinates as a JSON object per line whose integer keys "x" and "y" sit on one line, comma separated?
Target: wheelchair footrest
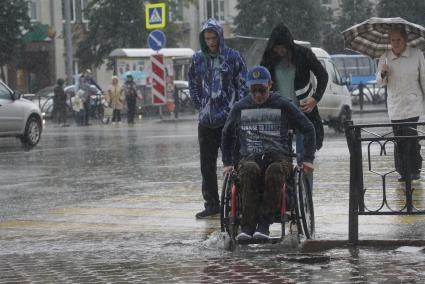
{"x": 272, "y": 240}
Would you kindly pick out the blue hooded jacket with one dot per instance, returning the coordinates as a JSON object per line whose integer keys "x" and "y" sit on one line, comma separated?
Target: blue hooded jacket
{"x": 214, "y": 90}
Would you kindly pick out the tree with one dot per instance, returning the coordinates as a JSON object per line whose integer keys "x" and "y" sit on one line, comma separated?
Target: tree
{"x": 116, "y": 24}
{"x": 412, "y": 10}
{"x": 302, "y": 17}
{"x": 352, "y": 12}
{"x": 14, "y": 19}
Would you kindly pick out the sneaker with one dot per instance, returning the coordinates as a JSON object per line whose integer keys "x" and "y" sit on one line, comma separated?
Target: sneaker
{"x": 262, "y": 232}
{"x": 207, "y": 213}
{"x": 243, "y": 237}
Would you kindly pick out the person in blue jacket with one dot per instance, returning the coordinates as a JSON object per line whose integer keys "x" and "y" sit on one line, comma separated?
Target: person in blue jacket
{"x": 216, "y": 81}
{"x": 255, "y": 142}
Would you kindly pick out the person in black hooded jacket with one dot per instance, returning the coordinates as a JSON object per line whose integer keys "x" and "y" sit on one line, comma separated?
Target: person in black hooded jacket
{"x": 291, "y": 67}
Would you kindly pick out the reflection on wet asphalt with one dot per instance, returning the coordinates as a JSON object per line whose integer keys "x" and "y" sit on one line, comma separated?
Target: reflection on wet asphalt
{"x": 116, "y": 203}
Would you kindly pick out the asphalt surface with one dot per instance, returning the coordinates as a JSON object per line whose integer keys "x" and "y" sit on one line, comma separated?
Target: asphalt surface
{"x": 116, "y": 204}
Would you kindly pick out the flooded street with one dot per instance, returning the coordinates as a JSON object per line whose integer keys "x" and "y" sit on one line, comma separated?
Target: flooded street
{"x": 117, "y": 204}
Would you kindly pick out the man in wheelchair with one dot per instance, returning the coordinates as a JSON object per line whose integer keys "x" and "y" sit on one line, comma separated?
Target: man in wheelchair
{"x": 255, "y": 142}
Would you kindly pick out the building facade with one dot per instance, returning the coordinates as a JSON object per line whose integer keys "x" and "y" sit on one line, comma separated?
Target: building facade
{"x": 44, "y": 58}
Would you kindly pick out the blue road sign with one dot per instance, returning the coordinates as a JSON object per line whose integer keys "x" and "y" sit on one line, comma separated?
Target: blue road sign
{"x": 156, "y": 40}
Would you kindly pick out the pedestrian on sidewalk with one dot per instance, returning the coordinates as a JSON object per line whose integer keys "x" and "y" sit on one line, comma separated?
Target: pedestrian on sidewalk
{"x": 402, "y": 70}
{"x": 130, "y": 96}
{"x": 77, "y": 107}
{"x": 116, "y": 99}
{"x": 216, "y": 81}
{"x": 291, "y": 66}
{"x": 60, "y": 106}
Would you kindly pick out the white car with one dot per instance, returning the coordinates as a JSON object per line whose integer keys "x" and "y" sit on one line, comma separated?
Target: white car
{"x": 19, "y": 117}
{"x": 335, "y": 106}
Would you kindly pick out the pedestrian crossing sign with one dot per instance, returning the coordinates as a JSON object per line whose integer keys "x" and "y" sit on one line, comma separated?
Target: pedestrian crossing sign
{"x": 155, "y": 16}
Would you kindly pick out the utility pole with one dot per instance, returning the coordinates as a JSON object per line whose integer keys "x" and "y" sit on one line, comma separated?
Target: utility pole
{"x": 68, "y": 40}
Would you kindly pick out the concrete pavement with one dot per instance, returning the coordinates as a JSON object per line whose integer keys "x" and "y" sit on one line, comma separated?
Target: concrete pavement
{"x": 123, "y": 212}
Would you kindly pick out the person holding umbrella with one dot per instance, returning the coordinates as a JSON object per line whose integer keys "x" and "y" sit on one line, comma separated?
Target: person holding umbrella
{"x": 402, "y": 70}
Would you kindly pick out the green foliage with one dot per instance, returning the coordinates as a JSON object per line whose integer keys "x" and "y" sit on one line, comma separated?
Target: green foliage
{"x": 118, "y": 24}
{"x": 412, "y": 10}
{"x": 352, "y": 12}
{"x": 302, "y": 17}
{"x": 13, "y": 20}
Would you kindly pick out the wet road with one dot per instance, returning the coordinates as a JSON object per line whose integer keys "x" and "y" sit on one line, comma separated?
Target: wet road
{"x": 112, "y": 203}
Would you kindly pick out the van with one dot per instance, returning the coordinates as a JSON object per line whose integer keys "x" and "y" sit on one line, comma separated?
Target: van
{"x": 334, "y": 107}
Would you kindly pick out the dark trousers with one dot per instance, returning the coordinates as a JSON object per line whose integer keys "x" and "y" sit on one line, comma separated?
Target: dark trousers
{"x": 116, "y": 115}
{"x": 261, "y": 189}
{"x": 61, "y": 112}
{"x": 86, "y": 106}
{"x": 209, "y": 143}
{"x": 131, "y": 109}
{"x": 407, "y": 153}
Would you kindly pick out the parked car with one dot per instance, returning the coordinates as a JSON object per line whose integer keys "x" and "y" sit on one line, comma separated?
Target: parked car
{"x": 44, "y": 99}
{"x": 19, "y": 117}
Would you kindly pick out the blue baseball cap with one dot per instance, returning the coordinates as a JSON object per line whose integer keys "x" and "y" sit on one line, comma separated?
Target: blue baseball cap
{"x": 258, "y": 75}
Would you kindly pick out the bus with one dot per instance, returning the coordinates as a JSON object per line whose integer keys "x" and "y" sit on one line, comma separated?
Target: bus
{"x": 359, "y": 69}
{"x": 356, "y": 68}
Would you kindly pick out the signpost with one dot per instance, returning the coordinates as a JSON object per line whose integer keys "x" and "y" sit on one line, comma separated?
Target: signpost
{"x": 155, "y": 16}
{"x": 158, "y": 80}
{"x": 156, "y": 40}
{"x": 155, "y": 19}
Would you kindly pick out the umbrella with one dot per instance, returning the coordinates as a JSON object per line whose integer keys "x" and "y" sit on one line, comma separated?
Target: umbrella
{"x": 371, "y": 36}
{"x": 135, "y": 73}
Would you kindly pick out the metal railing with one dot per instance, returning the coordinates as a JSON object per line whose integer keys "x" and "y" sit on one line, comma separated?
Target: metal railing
{"x": 377, "y": 135}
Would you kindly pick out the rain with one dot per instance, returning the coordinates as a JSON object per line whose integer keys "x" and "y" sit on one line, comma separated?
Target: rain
{"x": 115, "y": 202}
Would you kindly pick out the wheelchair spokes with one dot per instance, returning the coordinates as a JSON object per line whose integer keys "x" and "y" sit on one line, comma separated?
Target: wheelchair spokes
{"x": 296, "y": 208}
{"x": 305, "y": 204}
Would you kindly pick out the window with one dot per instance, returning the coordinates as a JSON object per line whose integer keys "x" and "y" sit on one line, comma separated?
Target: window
{"x": 215, "y": 9}
{"x": 32, "y": 10}
{"x": 72, "y": 10}
{"x": 4, "y": 93}
{"x": 84, "y": 4}
{"x": 175, "y": 11}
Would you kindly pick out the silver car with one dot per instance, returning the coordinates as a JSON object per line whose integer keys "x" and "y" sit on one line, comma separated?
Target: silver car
{"x": 19, "y": 117}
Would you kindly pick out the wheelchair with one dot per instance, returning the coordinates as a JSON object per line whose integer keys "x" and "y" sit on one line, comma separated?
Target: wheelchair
{"x": 296, "y": 207}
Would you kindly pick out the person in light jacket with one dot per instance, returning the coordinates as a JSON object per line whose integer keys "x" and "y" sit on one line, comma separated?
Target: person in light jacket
{"x": 402, "y": 70}
{"x": 116, "y": 98}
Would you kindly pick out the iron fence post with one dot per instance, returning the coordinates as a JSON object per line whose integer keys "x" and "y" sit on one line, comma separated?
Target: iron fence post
{"x": 356, "y": 181}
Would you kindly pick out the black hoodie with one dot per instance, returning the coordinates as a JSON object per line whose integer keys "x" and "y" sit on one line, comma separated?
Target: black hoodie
{"x": 304, "y": 61}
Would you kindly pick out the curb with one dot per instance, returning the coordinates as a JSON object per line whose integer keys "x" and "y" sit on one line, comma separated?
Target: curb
{"x": 369, "y": 111}
{"x": 177, "y": 120}
{"x": 322, "y": 245}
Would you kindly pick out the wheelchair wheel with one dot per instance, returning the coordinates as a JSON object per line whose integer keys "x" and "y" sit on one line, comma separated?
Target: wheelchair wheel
{"x": 305, "y": 205}
{"x": 228, "y": 213}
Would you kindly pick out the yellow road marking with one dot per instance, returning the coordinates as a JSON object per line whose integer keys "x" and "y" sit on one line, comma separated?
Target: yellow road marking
{"x": 99, "y": 227}
{"x": 132, "y": 212}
